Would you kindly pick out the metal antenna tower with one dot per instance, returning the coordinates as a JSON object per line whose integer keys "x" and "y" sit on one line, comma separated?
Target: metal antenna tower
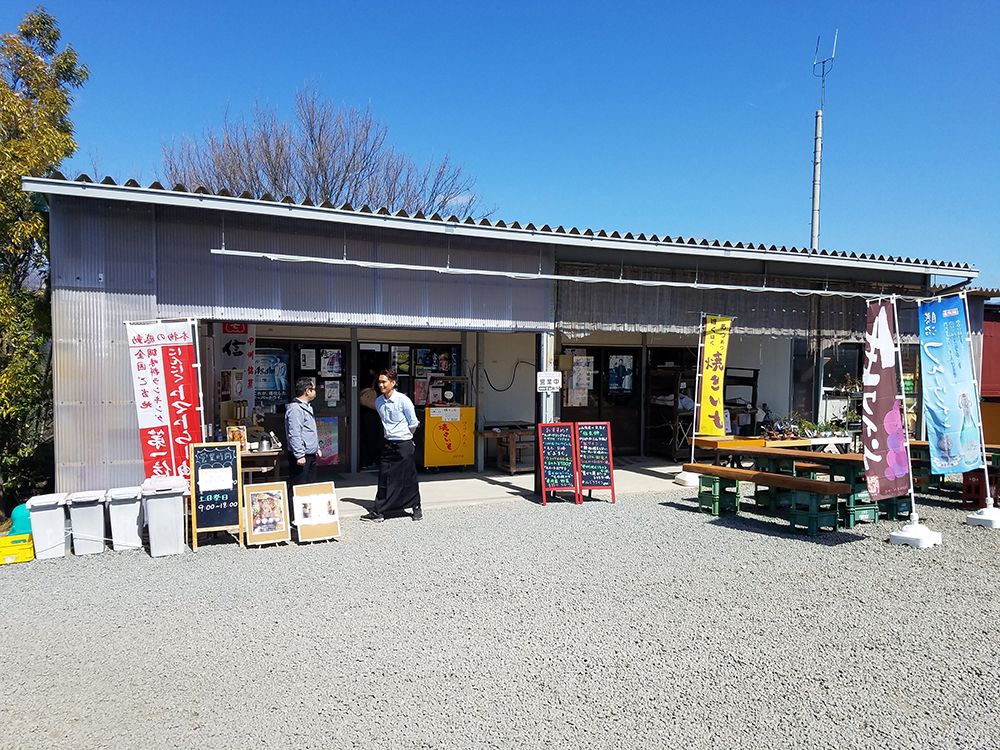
{"x": 820, "y": 69}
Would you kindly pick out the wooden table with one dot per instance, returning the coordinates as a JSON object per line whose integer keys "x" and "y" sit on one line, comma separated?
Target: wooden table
{"x": 255, "y": 463}
{"x": 511, "y": 435}
{"x": 850, "y": 467}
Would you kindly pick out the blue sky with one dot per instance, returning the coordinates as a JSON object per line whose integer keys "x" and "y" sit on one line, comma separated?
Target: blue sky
{"x": 655, "y": 117}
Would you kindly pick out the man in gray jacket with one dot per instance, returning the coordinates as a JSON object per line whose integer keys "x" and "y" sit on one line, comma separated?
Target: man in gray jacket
{"x": 300, "y": 429}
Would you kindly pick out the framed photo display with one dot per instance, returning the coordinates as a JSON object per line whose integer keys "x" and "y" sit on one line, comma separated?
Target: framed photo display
{"x": 317, "y": 515}
{"x": 265, "y": 508}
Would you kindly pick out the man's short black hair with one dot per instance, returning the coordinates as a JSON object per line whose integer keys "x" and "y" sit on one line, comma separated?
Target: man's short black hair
{"x": 302, "y": 385}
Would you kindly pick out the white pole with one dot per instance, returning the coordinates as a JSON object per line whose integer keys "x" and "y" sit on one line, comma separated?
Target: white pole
{"x": 686, "y": 478}
{"x": 817, "y": 163}
{"x": 901, "y": 396}
{"x": 697, "y": 380}
{"x": 913, "y": 532}
{"x": 990, "y": 515}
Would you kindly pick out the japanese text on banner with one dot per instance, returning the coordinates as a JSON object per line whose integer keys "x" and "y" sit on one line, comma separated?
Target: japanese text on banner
{"x": 887, "y": 466}
{"x": 711, "y": 406}
{"x": 951, "y": 400}
{"x": 167, "y": 399}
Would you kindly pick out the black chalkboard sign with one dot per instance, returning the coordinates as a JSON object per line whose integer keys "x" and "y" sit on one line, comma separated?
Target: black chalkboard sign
{"x": 593, "y": 455}
{"x": 216, "y": 487}
{"x": 557, "y": 457}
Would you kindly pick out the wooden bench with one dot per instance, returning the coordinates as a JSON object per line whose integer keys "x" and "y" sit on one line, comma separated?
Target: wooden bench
{"x": 812, "y": 502}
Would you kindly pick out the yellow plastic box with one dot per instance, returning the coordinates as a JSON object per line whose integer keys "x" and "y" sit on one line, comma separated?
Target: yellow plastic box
{"x": 16, "y": 548}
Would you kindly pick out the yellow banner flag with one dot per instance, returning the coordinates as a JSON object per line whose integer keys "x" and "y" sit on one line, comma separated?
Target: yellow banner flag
{"x": 711, "y": 420}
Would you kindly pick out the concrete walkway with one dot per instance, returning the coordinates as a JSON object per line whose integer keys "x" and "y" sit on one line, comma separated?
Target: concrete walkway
{"x": 356, "y": 492}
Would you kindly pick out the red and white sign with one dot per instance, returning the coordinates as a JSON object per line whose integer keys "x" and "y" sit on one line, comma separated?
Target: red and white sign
{"x": 167, "y": 398}
{"x": 235, "y": 350}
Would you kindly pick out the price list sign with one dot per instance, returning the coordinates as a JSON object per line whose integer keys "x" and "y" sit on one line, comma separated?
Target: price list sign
{"x": 593, "y": 455}
{"x": 216, "y": 480}
{"x": 557, "y": 458}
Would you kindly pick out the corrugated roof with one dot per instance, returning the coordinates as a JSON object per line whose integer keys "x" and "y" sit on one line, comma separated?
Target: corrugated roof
{"x": 678, "y": 240}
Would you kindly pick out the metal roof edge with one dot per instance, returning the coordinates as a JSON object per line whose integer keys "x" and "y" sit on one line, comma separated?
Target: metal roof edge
{"x": 136, "y": 194}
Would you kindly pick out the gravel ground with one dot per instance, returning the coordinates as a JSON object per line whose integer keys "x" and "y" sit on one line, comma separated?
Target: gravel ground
{"x": 645, "y": 624}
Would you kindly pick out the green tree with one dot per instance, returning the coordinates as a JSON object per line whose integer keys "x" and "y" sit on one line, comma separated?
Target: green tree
{"x": 36, "y": 134}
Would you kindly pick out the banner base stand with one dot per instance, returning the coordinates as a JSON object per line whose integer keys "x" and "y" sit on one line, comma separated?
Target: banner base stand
{"x": 686, "y": 479}
{"x": 988, "y": 517}
{"x": 916, "y": 535}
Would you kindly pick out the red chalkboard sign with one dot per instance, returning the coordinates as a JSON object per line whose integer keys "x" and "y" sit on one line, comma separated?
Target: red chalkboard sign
{"x": 557, "y": 458}
{"x": 593, "y": 457}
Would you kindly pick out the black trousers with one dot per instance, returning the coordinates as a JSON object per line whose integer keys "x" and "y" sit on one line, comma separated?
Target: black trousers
{"x": 302, "y": 473}
{"x": 397, "y": 477}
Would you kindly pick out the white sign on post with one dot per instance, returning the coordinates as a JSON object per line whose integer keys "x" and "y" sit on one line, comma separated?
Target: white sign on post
{"x": 548, "y": 382}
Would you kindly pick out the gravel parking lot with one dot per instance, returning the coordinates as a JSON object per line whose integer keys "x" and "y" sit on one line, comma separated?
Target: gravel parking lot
{"x": 640, "y": 625}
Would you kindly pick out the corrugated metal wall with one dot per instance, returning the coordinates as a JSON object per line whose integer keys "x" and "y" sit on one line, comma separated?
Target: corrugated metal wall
{"x": 115, "y": 261}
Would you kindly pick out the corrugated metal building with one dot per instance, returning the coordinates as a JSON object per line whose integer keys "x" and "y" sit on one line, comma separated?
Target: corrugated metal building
{"x": 124, "y": 252}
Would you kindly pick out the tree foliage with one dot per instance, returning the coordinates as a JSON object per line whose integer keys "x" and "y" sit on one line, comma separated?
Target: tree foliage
{"x": 36, "y": 134}
{"x": 326, "y": 153}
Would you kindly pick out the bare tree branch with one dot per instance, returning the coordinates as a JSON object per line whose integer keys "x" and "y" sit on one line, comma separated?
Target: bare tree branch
{"x": 337, "y": 154}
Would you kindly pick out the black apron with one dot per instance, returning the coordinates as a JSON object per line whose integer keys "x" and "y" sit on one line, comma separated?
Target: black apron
{"x": 397, "y": 478}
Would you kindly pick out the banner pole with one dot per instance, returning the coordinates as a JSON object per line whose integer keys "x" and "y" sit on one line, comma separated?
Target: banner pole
{"x": 686, "y": 478}
{"x": 990, "y": 515}
{"x": 913, "y": 532}
{"x": 697, "y": 382}
{"x": 901, "y": 395}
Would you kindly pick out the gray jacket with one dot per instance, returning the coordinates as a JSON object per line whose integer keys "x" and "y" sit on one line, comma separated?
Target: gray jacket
{"x": 300, "y": 428}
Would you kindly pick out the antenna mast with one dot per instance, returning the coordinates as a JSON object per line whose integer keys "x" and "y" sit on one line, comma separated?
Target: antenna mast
{"x": 820, "y": 69}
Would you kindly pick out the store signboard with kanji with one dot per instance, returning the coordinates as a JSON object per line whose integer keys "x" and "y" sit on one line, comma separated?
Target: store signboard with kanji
{"x": 711, "y": 406}
{"x": 235, "y": 350}
{"x": 162, "y": 358}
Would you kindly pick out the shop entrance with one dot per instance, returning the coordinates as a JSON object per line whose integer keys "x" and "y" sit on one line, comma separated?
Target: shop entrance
{"x": 604, "y": 386}
{"x": 429, "y": 375}
{"x": 279, "y": 364}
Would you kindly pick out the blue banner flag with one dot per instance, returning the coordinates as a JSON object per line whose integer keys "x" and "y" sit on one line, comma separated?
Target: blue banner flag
{"x": 951, "y": 399}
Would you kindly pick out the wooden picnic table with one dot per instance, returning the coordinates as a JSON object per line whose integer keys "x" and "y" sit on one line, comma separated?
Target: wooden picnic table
{"x": 990, "y": 447}
{"x": 847, "y": 467}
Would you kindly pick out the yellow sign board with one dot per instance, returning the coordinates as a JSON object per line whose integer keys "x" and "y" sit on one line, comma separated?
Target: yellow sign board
{"x": 449, "y": 436}
{"x": 711, "y": 420}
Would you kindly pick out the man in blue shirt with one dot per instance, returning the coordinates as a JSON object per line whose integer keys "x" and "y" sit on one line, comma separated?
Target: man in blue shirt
{"x": 397, "y": 477}
{"x": 300, "y": 429}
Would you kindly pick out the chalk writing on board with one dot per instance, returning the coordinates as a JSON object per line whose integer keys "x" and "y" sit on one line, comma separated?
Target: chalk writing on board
{"x": 217, "y": 495}
{"x": 558, "y": 466}
{"x": 594, "y": 453}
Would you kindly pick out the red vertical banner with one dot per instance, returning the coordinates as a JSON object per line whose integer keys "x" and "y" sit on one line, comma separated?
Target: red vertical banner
{"x": 162, "y": 359}
{"x": 887, "y": 465}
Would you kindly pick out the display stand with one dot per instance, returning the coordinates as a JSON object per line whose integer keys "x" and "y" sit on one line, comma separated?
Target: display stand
{"x": 317, "y": 515}
{"x": 216, "y": 489}
{"x": 557, "y": 459}
{"x": 594, "y": 457}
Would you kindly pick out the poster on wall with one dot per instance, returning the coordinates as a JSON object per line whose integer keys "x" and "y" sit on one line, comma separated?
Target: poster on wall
{"x": 446, "y": 361}
{"x": 620, "y": 373}
{"x": 331, "y": 392}
{"x": 401, "y": 360}
{"x": 272, "y": 378}
{"x": 950, "y": 397}
{"x": 330, "y": 365}
{"x": 420, "y": 388}
{"x": 423, "y": 362}
{"x": 328, "y": 432}
{"x": 235, "y": 350}
{"x": 887, "y": 464}
{"x": 582, "y": 375}
{"x": 307, "y": 359}
{"x": 162, "y": 357}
